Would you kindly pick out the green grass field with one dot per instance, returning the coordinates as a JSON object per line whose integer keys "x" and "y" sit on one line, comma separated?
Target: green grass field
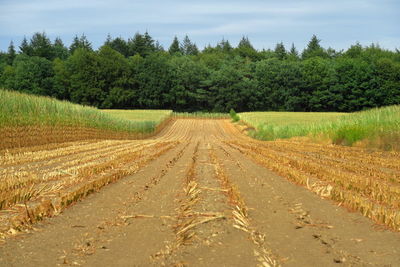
{"x": 379, "y": 127}
{"x": 140, "y": 115}
{"x": 257, "y": 119}
{"x": 18, "y": 109}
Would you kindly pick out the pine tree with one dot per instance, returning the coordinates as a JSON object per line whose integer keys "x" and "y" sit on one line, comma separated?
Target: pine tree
{"x": 149, "y": 42}
{"x": 74, "y": 45}
{"x": 158, "y": 47}
{"x": 25, "y": 48}
{"x": 225, "y": 46}
{"x": 60, "y": 50}
{"x": 175, "y": 47}
{"x": 81, "y": 42}
{"x": 84, "y": 42}
{"x": 314, "y": 49}
{"x": 314, "y": 43}
{"x": 142, "y": 44}
{"x": 136, "y": 45}
{"x": 118, "y": 44}
{"x": 108, "y": 40}
{"x": 354, "y": 51}
{"x": 280, "y": 51}
{"x": 189, "y": 48}
{"x": 208, "y": 49}
{"x": 245, "y": 43}
{"x": 194, "y": 50}
{"x": 41, "y": 46}
{"x": 11, "y": 53}
{"x": 246, "y": 50}
{"x": 293, "y": 53}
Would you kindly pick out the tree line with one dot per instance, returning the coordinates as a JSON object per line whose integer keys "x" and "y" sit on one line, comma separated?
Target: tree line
{"x": 140, "y": 73}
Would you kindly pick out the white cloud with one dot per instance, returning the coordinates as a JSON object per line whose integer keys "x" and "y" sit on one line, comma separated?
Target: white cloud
{"x": 246, "y": 26}
{"x": 49, "y": 5}
{"x": 342, "y": 20}
{"x": 241, "y": 8}
{"x": 293, "y": 8}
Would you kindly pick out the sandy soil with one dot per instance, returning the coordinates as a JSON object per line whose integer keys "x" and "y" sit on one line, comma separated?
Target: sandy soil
{"x": 207, "y": 200}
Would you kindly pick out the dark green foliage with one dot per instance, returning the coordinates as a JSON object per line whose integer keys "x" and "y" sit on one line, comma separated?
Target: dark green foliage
{"x": 355, "y": 85}
{"x": 30, "y": 75}
{"x": 141, "y": 44}
{"x": 158, "y": 47}
{"x": 189, "y": 48}
{"x": 280, "y": 85}
{"x": 224, "y": 46}
{"x": 187, "y": 90}
{"x": 387, "y": 76}
{"x": 314, "y": 49}
{"x": 82, "y": 76}
{"x": 318, "y": 76}
{"x": 3, "y": 62}
{"x": 280, "y": 51}
{"x": 245, "y": 43}
{"x": 41, "y": 46}
{"x": 155, "y": 89}
{"x": 11, "y": 53}
{"x": 81, "y": 42}
{"x": 60, "y": 50}
{"x": 293, "y": 53}
{"x": 61, "y": 80}
{"x": 118, "y": 44}
{"x": 25, "y": 48}
{"x": 138, "y": 73}
{"x": 232, "y": 86}
{"x": 175, "y": 47}
{"x": 246, "y": 49}
{"x": 113, "y": 72}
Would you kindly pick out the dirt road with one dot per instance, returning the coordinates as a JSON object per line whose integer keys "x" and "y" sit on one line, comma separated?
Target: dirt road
{"x": 202, "y": 196}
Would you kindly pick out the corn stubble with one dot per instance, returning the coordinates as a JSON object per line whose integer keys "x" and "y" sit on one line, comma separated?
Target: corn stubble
{"x": 53, "y": 179}
{"x": 368, "y": 182}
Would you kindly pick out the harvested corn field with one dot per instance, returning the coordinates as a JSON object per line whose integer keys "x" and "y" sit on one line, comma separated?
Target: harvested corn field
{"x": 199, "y": 193}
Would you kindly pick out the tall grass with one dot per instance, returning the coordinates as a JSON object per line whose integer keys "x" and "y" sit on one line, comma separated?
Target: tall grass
{"x": 17, "y": 109}
{"x": 380, "y": 126}
{"x": 201, "y": 115}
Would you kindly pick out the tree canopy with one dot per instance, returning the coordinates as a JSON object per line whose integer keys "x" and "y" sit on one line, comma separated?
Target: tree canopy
{"x": 138, "y": 73}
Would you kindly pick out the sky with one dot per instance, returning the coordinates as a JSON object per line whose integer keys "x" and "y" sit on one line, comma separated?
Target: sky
{"x": 338, "y": 24}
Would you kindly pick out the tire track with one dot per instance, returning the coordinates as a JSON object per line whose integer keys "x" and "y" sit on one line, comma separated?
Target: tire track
{"x": 240, "y": 215}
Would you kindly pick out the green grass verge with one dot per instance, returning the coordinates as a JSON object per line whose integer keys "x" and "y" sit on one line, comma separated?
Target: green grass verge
{"x": 377, "y": 125}
{"x": 18, "y": 109}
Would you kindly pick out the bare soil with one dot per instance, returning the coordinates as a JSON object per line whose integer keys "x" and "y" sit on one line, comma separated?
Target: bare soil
{"x": 210, "y": 199}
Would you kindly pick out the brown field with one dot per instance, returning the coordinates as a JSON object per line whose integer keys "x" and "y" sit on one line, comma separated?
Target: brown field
{"x": 199, "y": 193}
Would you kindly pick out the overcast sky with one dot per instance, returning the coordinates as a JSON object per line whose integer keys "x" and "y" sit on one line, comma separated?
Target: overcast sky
{"x": 337, "y": 23}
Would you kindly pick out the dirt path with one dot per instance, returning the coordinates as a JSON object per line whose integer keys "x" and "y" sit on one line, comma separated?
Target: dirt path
{"x": 203, "y": 196}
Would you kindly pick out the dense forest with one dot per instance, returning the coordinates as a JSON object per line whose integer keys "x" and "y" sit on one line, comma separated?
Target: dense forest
{"x": 140, "y": 73}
